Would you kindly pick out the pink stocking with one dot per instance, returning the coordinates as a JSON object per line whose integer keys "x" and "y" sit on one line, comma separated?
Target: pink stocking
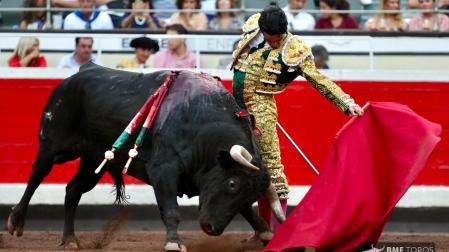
{"x": 264, "y": 209}
{"x": 266, "y": 214}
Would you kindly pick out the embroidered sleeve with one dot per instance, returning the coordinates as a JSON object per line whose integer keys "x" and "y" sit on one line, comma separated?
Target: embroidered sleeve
{"x": 324, "y": 85}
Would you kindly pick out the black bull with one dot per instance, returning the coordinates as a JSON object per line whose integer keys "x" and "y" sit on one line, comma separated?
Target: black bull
{"x": 187, "y": 150}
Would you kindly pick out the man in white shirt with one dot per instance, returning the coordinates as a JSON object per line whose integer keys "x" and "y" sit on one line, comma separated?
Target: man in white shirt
{"x": 298, "y": 20}
{"x": 87, "y": 18}
{"x": 81, "y": 55}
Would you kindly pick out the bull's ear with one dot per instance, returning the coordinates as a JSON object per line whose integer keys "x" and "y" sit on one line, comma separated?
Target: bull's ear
{"x": 224, "y": 158}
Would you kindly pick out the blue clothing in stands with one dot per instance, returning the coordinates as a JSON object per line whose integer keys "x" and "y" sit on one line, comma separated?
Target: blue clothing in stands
{"x": 88, "y": 21}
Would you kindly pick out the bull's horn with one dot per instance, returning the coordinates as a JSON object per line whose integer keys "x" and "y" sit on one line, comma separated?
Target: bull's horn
{"x": 275, "y": 204}
{"x": 242, "y": 156}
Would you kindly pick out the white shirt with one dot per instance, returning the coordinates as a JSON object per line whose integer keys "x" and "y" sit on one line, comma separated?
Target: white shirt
{"x": 255, "y": 42}
{"x": 69, "y": 61}
{"x": 101, "y": 21}
{"x": 302, "y": 21}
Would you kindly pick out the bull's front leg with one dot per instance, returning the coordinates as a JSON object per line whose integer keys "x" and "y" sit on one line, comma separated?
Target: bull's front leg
{"x": 166, "y": 193}
{"x": 261, "y": 228}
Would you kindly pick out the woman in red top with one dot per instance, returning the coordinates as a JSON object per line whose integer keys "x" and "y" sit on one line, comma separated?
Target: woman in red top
{"x": 27, "y": 54}
{"x": 335, "y": 20}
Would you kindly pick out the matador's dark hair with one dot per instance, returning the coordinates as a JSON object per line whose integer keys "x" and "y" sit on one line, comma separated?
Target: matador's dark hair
{"x": 273, "y": 20}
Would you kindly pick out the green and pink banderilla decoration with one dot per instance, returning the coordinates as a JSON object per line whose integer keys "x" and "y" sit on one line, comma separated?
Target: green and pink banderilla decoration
{"x": 148, "y": 111}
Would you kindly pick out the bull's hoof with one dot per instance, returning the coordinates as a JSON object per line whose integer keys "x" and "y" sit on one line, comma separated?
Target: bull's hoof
{"x": 265, "y": 237}
{"x": 70, "y": 243}
{"x": 252, "y": 240}
{"x": 174, "y": 247}
{"x": 15, "y": 224}
{"x": 70, "y": 246}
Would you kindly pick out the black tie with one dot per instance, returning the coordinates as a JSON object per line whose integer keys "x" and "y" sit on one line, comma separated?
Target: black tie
{"x": 261, "y": 45}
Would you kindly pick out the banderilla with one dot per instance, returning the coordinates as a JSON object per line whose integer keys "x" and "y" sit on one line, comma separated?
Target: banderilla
{"x": 297, "y": 148}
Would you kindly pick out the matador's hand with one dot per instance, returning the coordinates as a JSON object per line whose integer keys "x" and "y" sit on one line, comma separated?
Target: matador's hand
{"x": 355, "y": 110}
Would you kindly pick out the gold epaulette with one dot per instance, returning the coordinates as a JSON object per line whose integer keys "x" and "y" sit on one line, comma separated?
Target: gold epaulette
{"x": 295, "y": 51}
{"x": 251, "y": 24}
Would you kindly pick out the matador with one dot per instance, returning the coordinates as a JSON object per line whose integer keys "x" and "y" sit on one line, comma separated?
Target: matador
{"x": 265, "y": 61}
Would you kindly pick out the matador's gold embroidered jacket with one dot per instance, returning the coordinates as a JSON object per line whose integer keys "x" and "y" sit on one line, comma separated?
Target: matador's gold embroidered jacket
{"x": 261, "y": 71}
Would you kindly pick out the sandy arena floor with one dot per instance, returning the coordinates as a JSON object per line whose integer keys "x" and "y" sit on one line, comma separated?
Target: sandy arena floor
{"x": 153, "y": 241}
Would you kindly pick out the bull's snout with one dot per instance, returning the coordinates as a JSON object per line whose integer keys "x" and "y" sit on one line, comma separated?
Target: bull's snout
{"x": 210, "y": 229}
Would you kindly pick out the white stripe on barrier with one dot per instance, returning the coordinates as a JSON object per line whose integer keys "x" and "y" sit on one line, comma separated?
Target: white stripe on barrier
{"x": 417, "y": 196}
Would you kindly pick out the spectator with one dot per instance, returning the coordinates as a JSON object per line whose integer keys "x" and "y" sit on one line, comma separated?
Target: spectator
{"x": 143, "y": 48}
{"x": 413, "y": 4}
{"x": 298, "y": 20}
{"x": 429, "y": 21}
{"x": 320, "y": 56}
{"x": 226, "y": 20}
{"x": 335, "y": 20}
{"x": 102, "y": 5}
{"x": 27, "y": 54}
{"x": 444, "y": 5}
{"x": 190, "y": 20}
{"x": 87, "y": 18}
{"x": 75, "y": 3}
{"x": 387, "y": 21}
{"x": 81, "y": 55}
{"x": 177, "y": 55}
{"x": 141, "y": 18}
{"x": 34, "y": 20}
{"x": 166, "y": 5}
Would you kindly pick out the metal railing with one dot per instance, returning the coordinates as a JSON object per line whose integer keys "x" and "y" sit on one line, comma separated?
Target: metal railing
{"x": 49, "y": 9}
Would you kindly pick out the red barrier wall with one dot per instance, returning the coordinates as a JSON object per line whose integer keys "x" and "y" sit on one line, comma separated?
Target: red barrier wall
{"x": 311, "y": 120}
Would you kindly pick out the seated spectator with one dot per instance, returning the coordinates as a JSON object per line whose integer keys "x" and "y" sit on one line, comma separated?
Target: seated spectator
{"x": 413, "y": 4}
{"x": 320, "y": 56}
{"x": 102, "y": 5}
{"x": 81, "y": 55}
{"x": 335, "y": 20}
{"x": 87, "y": 18}
{"x": 429, "y": 21}
{"x": 140, "y": 18}
{"x": 143, "y": 48}
{"x": 190, "y": 20}
{"x": 177, "y": 55}
{"x": 226, "y": 20}
{"x": 444, "y": 5}
{"x": 27, "y": 54}
{"x": 387, "y": 21}
{"x": 165, "y": 5}
{"x": 34, "y": 20}
{"x": 300, "y": 21}
{"x": 75, "y": 3}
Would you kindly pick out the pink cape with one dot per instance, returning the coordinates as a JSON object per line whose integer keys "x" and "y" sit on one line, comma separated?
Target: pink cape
{"x": 374, "y": 160}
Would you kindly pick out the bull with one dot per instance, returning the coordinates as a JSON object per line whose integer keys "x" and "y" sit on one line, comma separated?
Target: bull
{"x": 197, "y": 146}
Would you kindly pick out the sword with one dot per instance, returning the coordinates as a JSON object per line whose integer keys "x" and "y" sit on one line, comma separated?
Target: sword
{"x": 297, "y": 148}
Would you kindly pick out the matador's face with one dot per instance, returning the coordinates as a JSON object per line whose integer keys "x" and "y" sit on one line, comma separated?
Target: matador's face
{"x": 274, "y": 41}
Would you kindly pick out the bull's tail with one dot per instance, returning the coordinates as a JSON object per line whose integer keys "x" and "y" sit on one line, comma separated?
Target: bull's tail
{"x": 119, "y": 184}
